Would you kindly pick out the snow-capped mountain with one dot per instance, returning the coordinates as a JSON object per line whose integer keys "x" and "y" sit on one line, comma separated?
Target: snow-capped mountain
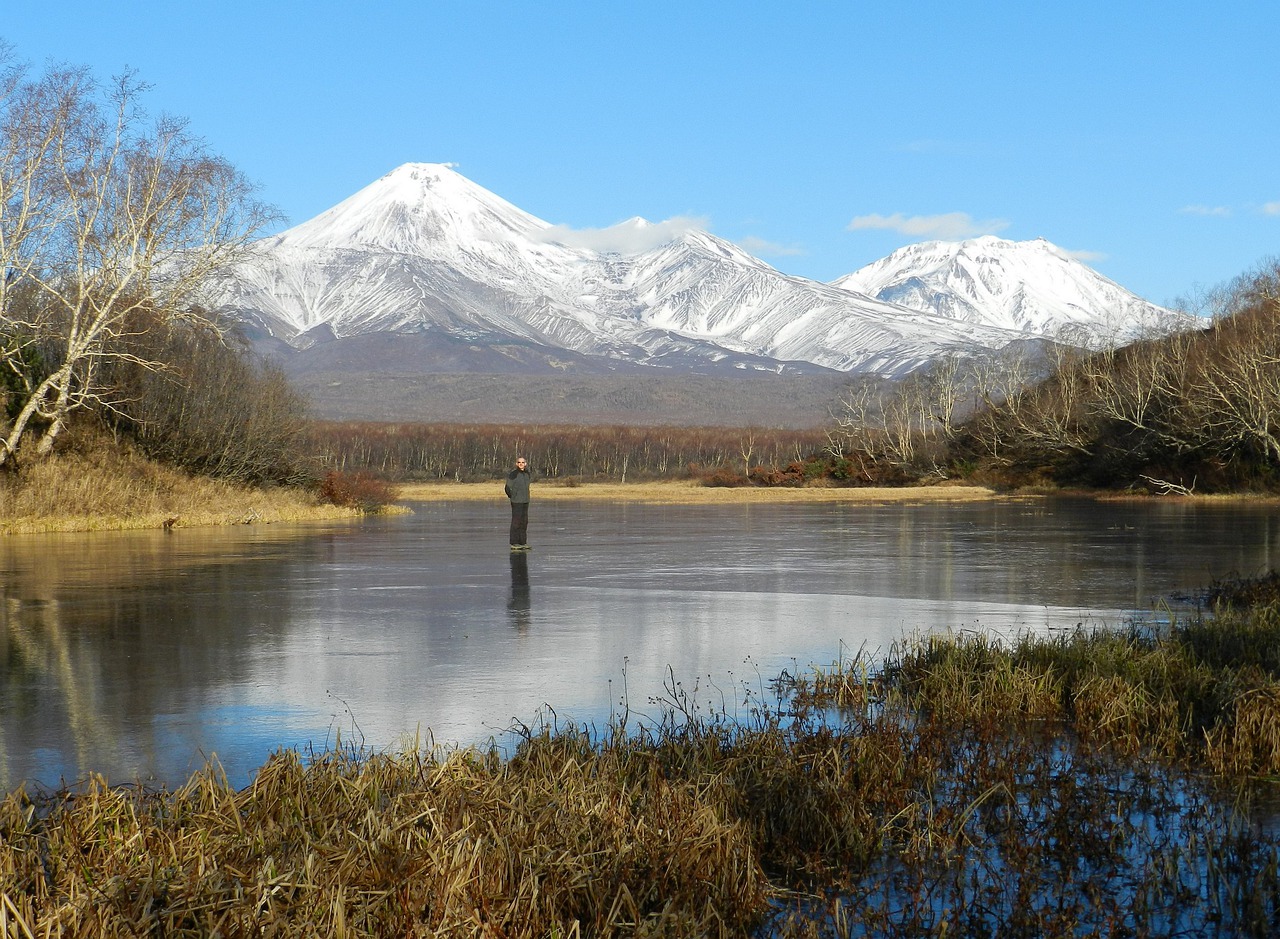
{"x": 424, "y": 251}
{"x": 1028, "y": 286}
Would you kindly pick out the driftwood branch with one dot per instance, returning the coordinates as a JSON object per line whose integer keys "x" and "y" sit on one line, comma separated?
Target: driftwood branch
{"x": 1166, "y": 488}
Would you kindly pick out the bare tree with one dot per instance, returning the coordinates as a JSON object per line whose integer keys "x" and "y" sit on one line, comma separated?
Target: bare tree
{"x": 746, "y": 447}
{"x": 110, "y": 224}
{"x": 854, "y": 417}
{"x": 998, "y": 380}
{"x": 944, "y": 386}
{"x": 1234, "y": 388}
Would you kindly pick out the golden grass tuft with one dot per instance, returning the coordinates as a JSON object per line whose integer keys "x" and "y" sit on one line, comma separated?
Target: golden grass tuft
{"x": 96, "y": 486}
{"x": 1247, "y": 743}
{"x": 369, "y": 845}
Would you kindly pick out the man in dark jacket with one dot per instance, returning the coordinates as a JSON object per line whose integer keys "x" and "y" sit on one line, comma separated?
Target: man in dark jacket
{"x": 517, "y": 488}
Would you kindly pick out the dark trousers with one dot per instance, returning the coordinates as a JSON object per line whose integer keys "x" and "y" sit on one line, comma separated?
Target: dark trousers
{"x": 519, "y": 522}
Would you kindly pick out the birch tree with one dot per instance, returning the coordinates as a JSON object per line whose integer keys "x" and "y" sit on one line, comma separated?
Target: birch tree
{"x": 110, "y": 225}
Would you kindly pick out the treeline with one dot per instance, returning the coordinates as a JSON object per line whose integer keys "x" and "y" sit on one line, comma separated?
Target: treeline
{"x": 1198, "y": 409}
{"x": 470, "y": 452}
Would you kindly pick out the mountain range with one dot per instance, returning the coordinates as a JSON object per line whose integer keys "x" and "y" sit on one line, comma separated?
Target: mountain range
{"x": 423, "y": 273}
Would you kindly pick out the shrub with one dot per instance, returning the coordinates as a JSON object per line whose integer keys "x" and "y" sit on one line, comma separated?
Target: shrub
{"x": 361, "y": 490}
{"x": 724, "y": 477}
{"x": 216, "y": 409}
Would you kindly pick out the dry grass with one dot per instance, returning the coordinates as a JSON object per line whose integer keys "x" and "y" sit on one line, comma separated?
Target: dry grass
{"x": 562, "y": 840}
{"x": 691, "y": 492}
{"x": 97, "y": 487}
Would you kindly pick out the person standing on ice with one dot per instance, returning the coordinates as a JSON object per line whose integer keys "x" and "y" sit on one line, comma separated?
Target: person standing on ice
{"x": 517, "y": 489}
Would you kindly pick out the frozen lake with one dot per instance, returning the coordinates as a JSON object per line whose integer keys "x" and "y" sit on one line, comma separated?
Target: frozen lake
{"x": 140, "y": 654}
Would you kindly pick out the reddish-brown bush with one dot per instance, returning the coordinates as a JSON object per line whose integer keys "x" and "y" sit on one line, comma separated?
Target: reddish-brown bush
{"x": 725, "y": 477}
{"x": 361, "y": 490}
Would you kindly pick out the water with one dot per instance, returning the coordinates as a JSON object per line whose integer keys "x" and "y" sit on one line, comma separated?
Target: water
{"x": 142, "y": 654}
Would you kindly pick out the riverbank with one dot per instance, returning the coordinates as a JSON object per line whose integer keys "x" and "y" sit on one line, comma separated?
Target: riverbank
{"x": 692, "y": 492}
{"x": 101, "y": 488}
{"x": 1090, "y": 783}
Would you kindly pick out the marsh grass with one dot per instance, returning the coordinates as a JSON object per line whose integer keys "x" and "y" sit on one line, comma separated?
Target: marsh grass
{"x": 1108, "y": 784}
{"x": 94, "y": 484}
{"x": 693, "y": 492}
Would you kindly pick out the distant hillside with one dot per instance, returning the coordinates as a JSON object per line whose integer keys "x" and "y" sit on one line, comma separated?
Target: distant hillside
{"x": 769, "y": 401}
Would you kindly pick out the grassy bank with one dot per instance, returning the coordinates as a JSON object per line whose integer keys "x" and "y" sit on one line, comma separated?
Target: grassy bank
{"x": 95, "y": 486}
{"x": 692, "y": 492}
{"x": 1093, "y": 784}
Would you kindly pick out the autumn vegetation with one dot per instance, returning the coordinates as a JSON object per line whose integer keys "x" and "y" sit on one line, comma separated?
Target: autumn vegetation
{"x": 473, "y": 452}
{"x": 1189, "y": 411}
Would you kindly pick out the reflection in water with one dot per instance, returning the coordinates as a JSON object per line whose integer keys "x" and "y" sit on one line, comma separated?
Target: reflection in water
{"x": 141, "y": 654}
{"x": 105, "y": 638}
{"x": 519, "y": 606}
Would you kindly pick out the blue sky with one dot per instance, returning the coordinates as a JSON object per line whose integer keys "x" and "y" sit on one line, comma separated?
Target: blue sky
{"x": 820, "y": 136}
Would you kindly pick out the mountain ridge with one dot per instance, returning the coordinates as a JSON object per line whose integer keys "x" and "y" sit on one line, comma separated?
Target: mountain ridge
{"x": 1030, "y": 286}
{"x": 423, "y": 251}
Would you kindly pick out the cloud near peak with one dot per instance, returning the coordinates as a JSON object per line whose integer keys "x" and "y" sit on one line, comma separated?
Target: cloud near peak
{"x": 759, "y": 246}
{"x": 1085, "y": 255}
{"x": 634, "y": 236}
{"x": 949, "y": 226}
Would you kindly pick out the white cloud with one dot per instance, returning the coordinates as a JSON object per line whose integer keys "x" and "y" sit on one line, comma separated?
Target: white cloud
{"x": 1084, "y": 255}
{"x": 760, "y": 247}
{"x": 634, "y": 236}
{"x": 952, "y": 225}
{"x": 1216, "y": 211}
{"x": 1271, "y": 208}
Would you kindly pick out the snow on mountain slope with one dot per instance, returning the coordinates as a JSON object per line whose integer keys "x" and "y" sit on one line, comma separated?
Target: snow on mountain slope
{"x": 425, "y": 250}
{"x": 703, "y": 286}
{"x": 417, "y": 208}
{"x": 1030, "y": 286}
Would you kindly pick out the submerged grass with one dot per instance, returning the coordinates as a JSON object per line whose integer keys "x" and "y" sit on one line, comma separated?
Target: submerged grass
{"x": 1095, "y": 784}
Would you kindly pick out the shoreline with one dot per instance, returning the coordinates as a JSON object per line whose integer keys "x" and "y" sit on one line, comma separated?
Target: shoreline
{"x": 261, "y": 512}
{"x": 692, "y": 492}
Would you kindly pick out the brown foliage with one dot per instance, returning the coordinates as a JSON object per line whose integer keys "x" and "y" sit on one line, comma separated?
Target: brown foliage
{"x": 215, "y": 408}
{"x": 724, "y": 477}
{"x": 359, "y": 490}
{"x": 472, "y": 452}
